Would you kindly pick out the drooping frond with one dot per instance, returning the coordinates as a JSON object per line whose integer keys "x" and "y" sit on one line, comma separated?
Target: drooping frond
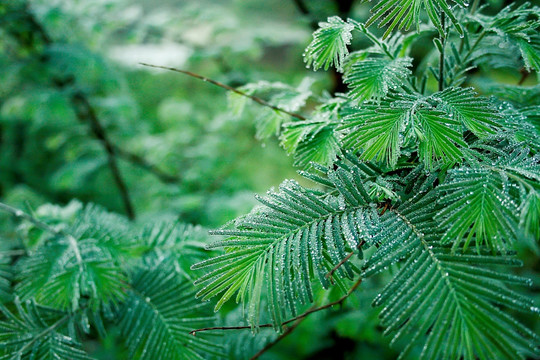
{"x": 33, "y": 336}
{"x": 476, "y": 113}
{"x": 374, "y": 77}
{"x": 445, "y": 302}
{"x": 477, "y": 207}
{"x": 159, "y": 312}
{"x": 404, "y": 13}
{"x": 298, "y": 234}
{"x": 329, "y": 45}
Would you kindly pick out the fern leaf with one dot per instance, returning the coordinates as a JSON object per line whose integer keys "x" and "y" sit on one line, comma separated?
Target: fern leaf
{"x": 31, "y": 336}
{"x": 375, "y": 129}
{"x": 295, "y": 236}
{"x": 475, "y": 113}
{"x": 530, "y": 213}
{"x": 6, "y": 277}
{"x": 404, "y": 13}
{"x": 448, "y": 302}
{"x": 84, "y": 262}
{"x": 477, "y": 208}
{"x": 374, "y": 77}
{"x": 329, "y": 45}
{"x": 159, "y": 312}
{"x": 530, "y": 52}
{"x": 380, "y": 129}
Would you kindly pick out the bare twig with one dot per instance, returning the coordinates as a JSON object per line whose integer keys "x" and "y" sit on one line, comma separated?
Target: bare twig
{"x": 331, "y": 272}
{"x": 22, "y": 215}
{"x": 301, "y": 316}
{"x": 271, "y": 344}
{"x": 524, "y": 75}
{"x": 83, "y": 109}
{"x": 144, "y": 164}
{"x": 86, "y": 113}
{"x": 229, "y": 88}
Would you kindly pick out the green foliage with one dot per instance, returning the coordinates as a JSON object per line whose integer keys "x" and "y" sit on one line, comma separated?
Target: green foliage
{"x": 96, "y": 266}
{"x": 160, "y": 299}
{"x": 329, "y": 45}
{"x": 404, "y": 13}
{"x": 443, "y": 181}
{"x": 420, "y": 163}
{"x": 375, "y": 77}
{"x": 32, "y": 335}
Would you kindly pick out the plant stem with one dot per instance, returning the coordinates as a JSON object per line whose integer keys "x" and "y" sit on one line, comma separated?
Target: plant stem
{"x": 301, "y": 316}
{"x": 144, "y": 164}
{"x": 229, "y": 88}
{"x": 86, "y": 113}
{"x": 474, "y": 6}
{"x": 83, "y": 109}
{"x": 22, "y": 215}
{"x": 442, "y": 37}
{"x": 271, "y": 344}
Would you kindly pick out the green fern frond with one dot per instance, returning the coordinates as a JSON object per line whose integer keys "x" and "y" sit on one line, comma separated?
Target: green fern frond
{"x": 320, "y": 145}
{"x": 478, "y": 208}
{"x": 518, "y": 26}
{"x": 374, "y": 77}
{"x": 380, "y": 129}
{"x": 375, "y": 128}
{"x": 530, "y": 213}
{"x": 329, "y": 45}
{"x": 31, "y": 336}
{"x": 441, "y": 142}
{"x": 295, "y": 236}
{"x": 404, "y": 13}
{"x": 159, "y": 312}
{"x": 476, "y": 113}
{"x": 65, "y": 271}
{"x": 443, "y": 300}
{"x": 530, "y": 52}
{"x": 82, "y": 262}
{"x": 6, "y": 277}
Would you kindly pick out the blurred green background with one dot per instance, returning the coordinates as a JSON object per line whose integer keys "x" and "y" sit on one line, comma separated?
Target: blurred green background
{"x": 181, "y": 150}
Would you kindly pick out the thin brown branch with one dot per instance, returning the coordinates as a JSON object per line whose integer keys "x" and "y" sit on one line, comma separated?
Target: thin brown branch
{"x": 271, "y": 344}
{"x": 524, "y": 75}
{"x": 331, "y": 272}
{"x": 229, "y": 88}
{"x": 144, "y": 164}
{"x": 83, "y": 109}
{"x": 86, "y": 113}
{"x": 301, "y": 316}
